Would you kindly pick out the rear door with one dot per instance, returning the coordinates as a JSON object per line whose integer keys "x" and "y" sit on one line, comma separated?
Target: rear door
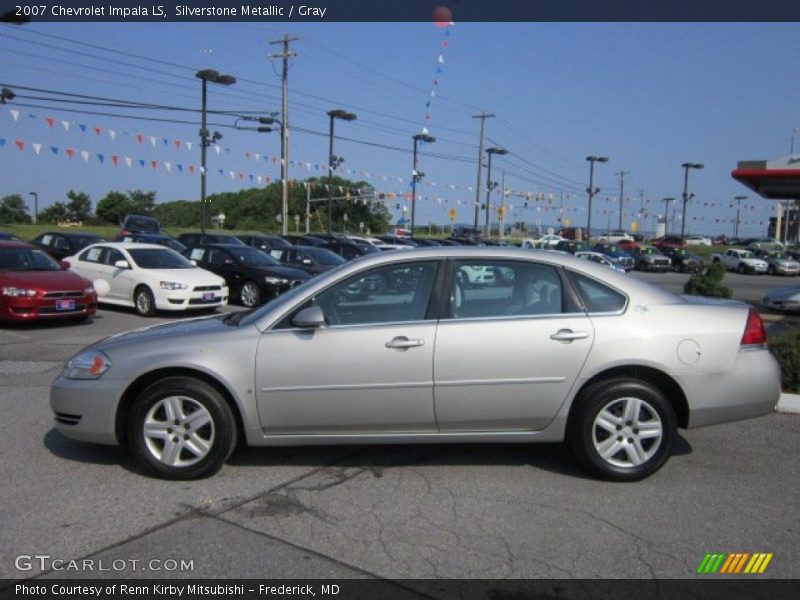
{"x": 507, "y": 352}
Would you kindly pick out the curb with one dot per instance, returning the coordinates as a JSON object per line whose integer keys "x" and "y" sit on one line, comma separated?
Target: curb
{"x": 789, "y": 403}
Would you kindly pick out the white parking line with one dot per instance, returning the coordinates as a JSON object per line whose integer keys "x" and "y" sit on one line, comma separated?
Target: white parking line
{"x": 19, "y": 336}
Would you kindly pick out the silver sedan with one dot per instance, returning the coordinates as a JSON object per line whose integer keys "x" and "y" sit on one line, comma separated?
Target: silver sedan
{"x": 407, "y": 347}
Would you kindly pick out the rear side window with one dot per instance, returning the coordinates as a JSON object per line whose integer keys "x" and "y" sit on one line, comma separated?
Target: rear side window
{"x": 597, "y": 297}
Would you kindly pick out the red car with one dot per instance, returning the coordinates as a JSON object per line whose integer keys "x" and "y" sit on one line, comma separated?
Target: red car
{"x": 34, "y": 286}
{"x": 627, "y": 245}
{"x": 669, "y": 241}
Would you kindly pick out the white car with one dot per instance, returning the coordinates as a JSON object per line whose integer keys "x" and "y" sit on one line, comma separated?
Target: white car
{"x": 149, "y": 277}
{"x": 546, "y": 241}
{"x": 601, "y": 259}
{"x": 614, "y": 237}
{"x": 698, "y": 240}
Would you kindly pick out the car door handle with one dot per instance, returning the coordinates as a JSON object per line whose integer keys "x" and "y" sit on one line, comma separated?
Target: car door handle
{"x": 403, "y": 342}
{"x": 567, "y": 335}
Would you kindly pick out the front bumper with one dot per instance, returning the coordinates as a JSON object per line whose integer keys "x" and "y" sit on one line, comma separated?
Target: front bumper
{"x": 32, "y": 309}
{"x": 191, "y": 299}
{"x": 86, "y": 410}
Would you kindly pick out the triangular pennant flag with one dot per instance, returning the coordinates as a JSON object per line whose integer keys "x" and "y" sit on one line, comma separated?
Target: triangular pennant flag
{"x": 177, "y": 144}
{"x": 20, "y": 144}
{"x": 168, "y": 167}
{"x": 141, "y": 162}
{"x": 217, "y": 149}
{"x": 258, "y": 179}
{"x": 251, "y": 177}
{"x": 232, "y": 174}
{"x": 241, "y": 176}
{"x": 166, "y": 141}
{"x": 85, "y": 156}
{"x": 70, "y": 152}
{"x": 54, "y": 149}
{"x": 50, "y": 121}
{"x": 439, "y": 70}
{"x": 114, "y": 159}
{"x": 153, "y": 140}
{"x": 428, "y": 104}
{"x": 441, "y": 59}
{"x": 139, "y": 138}
{"x": 2, "y": 142}
{"x": 154, "y": 164}
{"x": 128, "y": 161}
{"x": 191, "y": 169}
{"x": 37, "y": 148}
{"x": 258, "y": 156}
{"x": 101, "y": 158}
{"x": 247, "y": 155}
{"x": 66, "y": 125}
{"x": 425, "y": 130}
{"x": 15, "y": 114}
{"x": 82, "y": 128}
{"x": 445, "y": 44}
{"x": 228, "y": 150}
{"x": 433, "y": 94}
{"x": 188, "y": 145}
{"x": 112, "y": 134}
{"x": 180, "y": 168}
{"x": 97, "y": 130}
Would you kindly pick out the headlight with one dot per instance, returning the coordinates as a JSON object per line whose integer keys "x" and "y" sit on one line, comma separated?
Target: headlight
{"x": 15, "y": 292}
{"x": 89, "y": 290}
{"x": 172, "y": 285}
{"x": 87, "y": 365}
{"x": 275, "y": 280}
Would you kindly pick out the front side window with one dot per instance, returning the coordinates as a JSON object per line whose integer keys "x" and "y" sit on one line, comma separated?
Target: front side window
{"x": 113, "y": 256}
{"x": 484, "y": 289}
{"x": 389, "y": 294}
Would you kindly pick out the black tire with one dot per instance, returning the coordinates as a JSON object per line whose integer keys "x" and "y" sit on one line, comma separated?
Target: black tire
{"x": 770, "y": 270}
{"x": 742, "y": 269}
{"x": 219, "y": 435}
{"x": 611, "y": 396}
{"x": 250, "y": 294}
{"x": 144, "y": 302}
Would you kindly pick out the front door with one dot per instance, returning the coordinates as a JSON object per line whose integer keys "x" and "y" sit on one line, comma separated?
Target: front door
{"x": 370, "y": 369}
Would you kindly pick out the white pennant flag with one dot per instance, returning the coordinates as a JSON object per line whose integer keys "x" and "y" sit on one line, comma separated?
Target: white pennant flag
{"x": 202, "y": 169}
{"x": 168, "y": 167}
{"x": 425, "y": 130}
{"x": 112, "y": 134}
{"x": 258, "y": 179}
{"x": 441, "y": 59}
{"x": 37, "y": 148}
{"x": 128, "y": 161}
{"x": 15, "y": 115}
{"x": 188, "y": 145}
{"x": 153, "y": 140}
{"x": 258, "y": 156}
{"x": 232, "y": 174}
{"x": 85, "y": 155}
{"x": 216, "y": 149}
{"x": 65, "y": 124}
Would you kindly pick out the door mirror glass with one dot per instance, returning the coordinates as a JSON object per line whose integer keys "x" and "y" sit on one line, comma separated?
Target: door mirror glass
{"x": 122, "y": 264}
{"x": 309, "y": 318}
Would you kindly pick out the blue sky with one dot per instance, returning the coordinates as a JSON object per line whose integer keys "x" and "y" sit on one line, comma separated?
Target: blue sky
{"x": 649, "y": 96}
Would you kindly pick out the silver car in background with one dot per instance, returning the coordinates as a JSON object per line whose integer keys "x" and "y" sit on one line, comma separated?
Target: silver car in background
{"x": 407, "y": 347}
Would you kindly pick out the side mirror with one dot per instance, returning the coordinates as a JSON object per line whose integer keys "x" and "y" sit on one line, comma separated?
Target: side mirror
{"x": 309, "y": 318}
{"x": 65, "y": 264}
{"x": 122, "y": 264}
{"x": 306, "y": 261}
{"x": 194, "y": 262}
{"x": 228, "y": 261}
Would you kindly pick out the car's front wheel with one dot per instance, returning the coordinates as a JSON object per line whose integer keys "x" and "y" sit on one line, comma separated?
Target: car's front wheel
{"x": 181, "y": 428}
{"x": 622, "y": 429}
{"x": 144, "y": 302}
{"x": 250, "y": 294}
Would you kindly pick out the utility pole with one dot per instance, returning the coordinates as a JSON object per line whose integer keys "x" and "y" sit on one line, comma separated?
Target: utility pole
{"x": 308, "y": 208}
{"x": 285, "y": 55}
{"x": 621, "y": 193}
{"x": 483, "y": 116}
{"x": 738, "y": 205}
{"x": 666, "y": 216}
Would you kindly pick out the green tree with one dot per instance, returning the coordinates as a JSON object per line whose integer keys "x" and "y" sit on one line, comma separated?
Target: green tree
{"x": 708, "y": 283}
{"x": 13, "y": 210}
{"x": 113, "y": 207}
{"x": 141, "y": 202}
{"x": 79, "y": 207}
{"x": 53, "y": 214}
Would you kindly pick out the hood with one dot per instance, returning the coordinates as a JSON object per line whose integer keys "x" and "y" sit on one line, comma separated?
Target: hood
{"x": 193, "y": 277}
{"x": 188, "y": 327}
{"x": 49, "y": 281}
{"x": 284, "y": 272}
{"x": 783, "y": 293}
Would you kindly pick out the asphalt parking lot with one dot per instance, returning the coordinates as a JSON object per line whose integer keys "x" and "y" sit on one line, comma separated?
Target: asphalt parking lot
{"x": 462, "y": 511}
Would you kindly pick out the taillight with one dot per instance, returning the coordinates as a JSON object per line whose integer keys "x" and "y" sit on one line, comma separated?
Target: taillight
{"x": 754, "y": 332}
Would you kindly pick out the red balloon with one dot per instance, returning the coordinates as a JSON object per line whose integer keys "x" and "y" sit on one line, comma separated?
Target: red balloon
{"x": 442, "y": 16}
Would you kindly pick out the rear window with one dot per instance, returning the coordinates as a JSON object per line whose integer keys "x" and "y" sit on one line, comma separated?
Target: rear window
{"x": 144, "y": 224}
{"x": 597, "y": 297}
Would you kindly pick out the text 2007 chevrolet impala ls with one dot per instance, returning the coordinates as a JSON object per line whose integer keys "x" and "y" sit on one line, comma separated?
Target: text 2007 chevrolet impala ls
{"x": 404, "y": 347}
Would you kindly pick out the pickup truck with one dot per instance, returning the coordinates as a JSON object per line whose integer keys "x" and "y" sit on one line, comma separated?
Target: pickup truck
{"x": 742, "y": 261}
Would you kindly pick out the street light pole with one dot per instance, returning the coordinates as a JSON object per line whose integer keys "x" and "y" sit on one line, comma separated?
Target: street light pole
{"x": 35, "y": 206}
{"x": 490, "y": 185}
{"x": 417, "y": 175}
{"x": 738, "y": 205}
{"x": 667, "y": 202}
{"x": 334, "y": 161}
{"x": 591, "y": 190}
{"x": 483, "y": 116}
{"x": 686, "y": 196}
{"x": 205, "y": 76}
{"x": 621, "y": 195}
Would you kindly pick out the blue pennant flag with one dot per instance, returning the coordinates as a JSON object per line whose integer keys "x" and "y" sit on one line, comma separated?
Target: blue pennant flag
{"x": 141, "y": 162}
{"x": 180, "y": 168}
{"x": 2, "y": 142}
{"x": 83, "y": 128}
{"x": 101, "y": 157}
{"x": 166, "y": 141}
{"x": 220, "y": 172}
{"x": 54, "y": 149}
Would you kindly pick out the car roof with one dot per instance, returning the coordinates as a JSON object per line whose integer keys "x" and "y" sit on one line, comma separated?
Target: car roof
{"x": 72, "y": 234}
{"x": 128, "y": 246}
{"x": 15, "y": 244}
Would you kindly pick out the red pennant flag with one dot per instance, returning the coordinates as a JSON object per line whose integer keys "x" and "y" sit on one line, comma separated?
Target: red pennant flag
{"x": 191, "y": 169}
{"x": 139, "y": 138}
{"x": 114, "y": 159}
{"x": 274, "y": 160}
{"x": 435, "y": 82}
{"x": 20, "y": 144}
{"x": 154, "y": 164}
{"x": 97, "y": 130}
{"x": 178, "y": 144}
{"x": 50, "y": 121}
{"x": 247, "y": 155}
{"x": 70, "y": 152}
{"x": 269, "y": 180}
{"x": 241, "y": 176}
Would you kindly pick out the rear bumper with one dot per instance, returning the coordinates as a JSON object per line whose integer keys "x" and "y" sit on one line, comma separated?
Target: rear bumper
{"x": 751, "y": 389}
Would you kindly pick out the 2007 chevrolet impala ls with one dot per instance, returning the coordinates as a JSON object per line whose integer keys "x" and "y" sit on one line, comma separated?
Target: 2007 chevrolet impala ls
{"x": 406, "y": 347}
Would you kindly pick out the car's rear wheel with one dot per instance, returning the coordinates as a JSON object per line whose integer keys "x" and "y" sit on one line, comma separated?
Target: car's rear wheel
{"x": 181, "y": 428}
{"x": 622, "y": 429}
{"x": 742, "y": 269}
{"x": 249, "y": 294}
{"x": 144, "y": 302}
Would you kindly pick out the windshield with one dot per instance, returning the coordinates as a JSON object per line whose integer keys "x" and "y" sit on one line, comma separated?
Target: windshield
{"x": 26, "y": 259}
{"x": 142, "y": 224}
{"x": 325, "y": 257}
{"x": 81, "y": 241}
{"x": 158, "y": 258}
{"x": 778, "y": 255}
{"x": 253, "y": 257}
